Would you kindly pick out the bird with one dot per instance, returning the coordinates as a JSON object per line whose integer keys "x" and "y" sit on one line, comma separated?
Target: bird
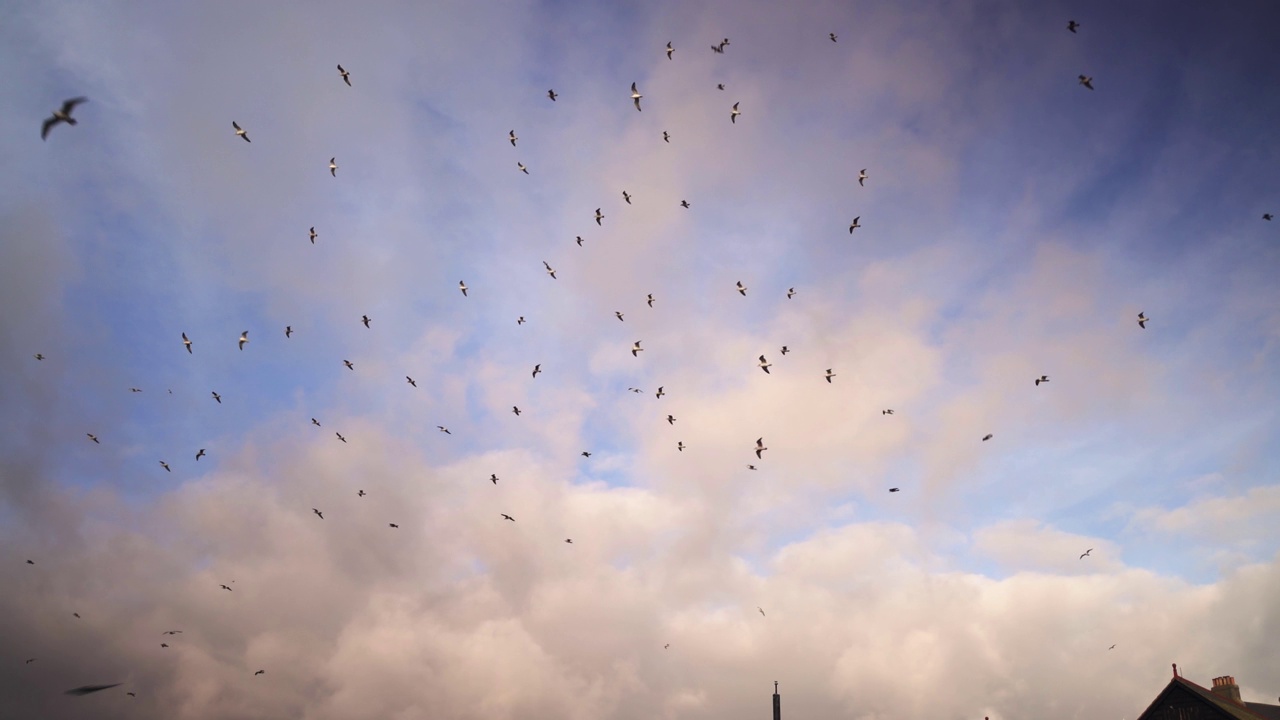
{"x": 217, "y": 397}
{"x": 1266, "y": 216}
{"x": 854, "y": 225}
{"x": 761, "y": 611}
{"x": 333, "y": 166}
{"x": 260, "y": 672}
{"x": 550, "y": 270}
{"x": 670, "y": 50}
{"x": 493, "y": 478}
{"x": 1113, "y": 647}
{"x": 288, "y": 331}
{"x": 318, "y": 513}
{"x": 680, "y": 446}
{"x": 832, "y": 36}
{"x": 185, "y": 341}
{"x": 135, "y": 390}
{"x": 40, "y": 356}
{"x": 785, "y": 350}
{"x": 199, "y": 454}
{"x": 520, "y": 166}
{"x": 463, "y": 287}
{"x": 1042, "y": 379}
{"x": 659, "y": 394}
{"x": 346, "y": 76}
{"x": 130, "y": 694}
{"x": 240, "y": 131}
{"x": 751, "y": 467}
{"x": 361, "y": 493}
{"x": 551, "y": 94}
{"x": 76, "y": 614}
{"x": 635, "y": 96}
{"x": 164, "y": 645}
{"x": 340, "y": 436}
{"x": 171, "y": 632}
{"x": 1086, "y": 81}
{"x": 31, "y": 562}
{"x": 365, "y": 319}
{"x": 791, "y": 292}
{"x": 512, "y": 137}
{"x": 537, "y": 369}
{"x": 760, "y": 448}
{"x": 586, "y": 454}
{"x": 829, "y": 375}
{"x": 30, "y": 660}
{"x": 742, "y": 289}
{"x": 599, "y": 217}
{"x": 315, "y": 422}
{"x": 666, "y": 137}
{"x": 515, "y": 410}
{"x": 393, "y": 525}
{"x": 664, "y": 647}
{"x": 618, "y": 314}
{"x": 650, "y": 299}
{"x": 87, "y": 689}
{"x": 635, "y": 352}
{"x": 224, "y": 587}
{"x": 62, "y": 115}
{"x": 671, "y": 419}
{"x": 733, "y": 114}
{"x": 411, "y": 382}
{"x": 764, "y": 365}
{"x": 507, "y": 517}
{"x": 886, "y": 412}
{"x": 244, "y": 338}
{"x": 1142, "y": 320}
{"x": 684, "y": 204}
{"x": 1072, "y": 25}
{"x": 443, "y": 429}
{"x": 93, "y": 437}
{"x": 349, "y": 364}
{"x": 520, "y": 320}
{"x": 719, "y": 86}
{"x": 862, "y": 175}
{"x": 165, "y": 465}
{"x": 987, "y": 437}
{"x": 626, "y": 196}
{"x": 893, "y": 489}
{"x": 578, "y": 239}
{"x": 1085, "y": 554}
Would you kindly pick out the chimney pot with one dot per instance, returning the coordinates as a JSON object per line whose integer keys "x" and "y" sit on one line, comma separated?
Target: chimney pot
{"x": 1225, "y": 686}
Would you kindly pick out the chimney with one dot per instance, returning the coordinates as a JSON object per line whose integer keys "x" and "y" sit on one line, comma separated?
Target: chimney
{"x": 1226, "y": 687}
{"x": 777, "y": 702}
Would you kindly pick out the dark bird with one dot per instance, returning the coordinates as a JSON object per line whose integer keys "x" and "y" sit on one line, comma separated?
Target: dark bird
{"x": 360, "y": 493}
{"x": 1085, "y": 554}
{"x": 537, "y": 369}
{"x": 87, "y": 689}
{"x": 171, "y": 632}
{"x": 742, "y": 289}
{"x": 30, "y": 660}
{"x": 240, "y": 131}
{"x": 40, "y": 356}
{"x": 832, "y": 36}
{"x": 1086, "y": 81}
{"x": 568, "y": 540}
{"x": 1142, "y": 320}
{"x": 578, "y": 239}
{"x": 393, "y": 525}
{"x": 217, "y": 397}
{"x": 318, "y": 513}
{"x": 1266, "y": 216}
{"x": 718, "y": 49}
{"x": 443, "y": 429}
{"x": 618, "y": 314}
{"x": 224, "y": 587}
{"x": 507, "y": 517}
{"x": 349, "y": 365}
{"x": 1042, "y": 379}
{"x": 893, "y": 489}
{"x": 164, "y": 645}
{"x": 315, "y": 422}
{"x": 719, "y": 86}
{"x": 664, "y": 647}
{"x": 463, "y": 287}
{"x": 512, "y": 137}
{"x": 626, "y": 196}
{"x": 1113, "y": 647}
{"x": 760, "y": 448}
{"x": 288, "y": 331}
{"x": 411, "y": 382}
{"x": 784, "y": 350}
{"x": 684, "y": 204}
{"x": 135, "y": 390}
{"x": 854, "y": 225}
{"x": 31, "y": 562}
{"x": 887, "y": 412}
{"x": 365, "y": 319}
{"x": 1072, "y": 25}
{"x": 680, "y": 446}
{"x": 599, "y": 217}
{"x": 165, "y": 465}
{"x": 346, "y": 76}
{"x": 635, "y": 96}
{"x": 861, "y": 177}
{"x": 670, "y": 50}
{"x": 93, "y": 437}
{"x": 671, "y": 419}
{"x": 520, "y": 320}
{"x": 515, "y": 410}
{"x": 260, "y": 672}
{"x": 131, "y": 694}
{"x": 551, "y": 94}
{"x": 635, "y": 352}
{"x": 650, "y": 299}
{"x": 791, "y": 292}
{"x": 76, "y": 614}
{"x": 666, "y": 137}
{"x": 244, "y": 338}
{"x": 185, "y": 342}
{"x": 586, "y": 454}
{"x": 550, "y": 271}
{"x": 761, "y": 611}
{"x": 751, "y": 467}
{"x": 733, "y": 114}
{"x": 660, "y": 393}
{"x": 340, "y": 436}
{"x": 62, "y": 114}
{"x": 829, "y": 375}
{"x": 987, "y": 437}
{"x": 493, "y": 478}
{"x": 199, "y": 454}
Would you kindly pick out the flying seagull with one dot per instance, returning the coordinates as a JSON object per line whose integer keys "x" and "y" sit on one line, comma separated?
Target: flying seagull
{"x": 1042, "y": 379}
{"x": 520, "y": 320}
{"x": 463, "y": 287}
{"x": 186, "y": 342}
{"x": 586, "y": 454}
{"x": 171, "y": 632}
{"x": 887, "y": 412}
{"x": 569, "y": 540}
{"x": 76, "y": 614}
{"x": 259, "y": 673}
{"x": 393, "y": 525}
{"x": 551, "y": 94}
{"x": 785, "y": 350}
{"x": 1086, "y": 81}
{"x": 165, "y": 465}
{"x": 854, "y": 225}
{"x": 578, "y": 239}
{"x": 244, "y": 338}
{"x": 288, "y": 331}
{"x": 1072, "y": 25}
{"x": 635, "y": 350}
{"x": 829, "y": 375}
{"x": 832, "y": 36}
{"x": 635, "y": 96}
{"x": 666, "y": 137}
{"x": 93, "y": 437}
{"x": 742, "y": 288}
{"x": 719, "y": 86}
{"x": 411, "y": 382}
{"x": 87, "y": 689}
{"x": 537, "y": 369}
{"x": 333, "y": 166}
{"x": 313, "y": 235}
{"x": 512, "y": 137}
{"x": 361, "y": 493}
{"x": 550, "y": 270}
{"x": 516, "y": 410}
{"x": 893, "y": 489}
{"x": 315, "y": 422}
{"x": 987, "y": 437}
{"x": 164, "y": 645}
{"x": 684, "y": 203}
{"x": 493, "y": 478}
{"x": 760, "y": 448}
{"x": 764, "y": 365}
{"x": 135, "y": 390}
{"x": 200, "y": 454}
{"x": 1085, "y": 554}
{"x": 626, "y": 196}
{"x": 751, "y": 467}
{"x": 670, "y": 50}
{"x": 507, "y": 517}
{"x": 224, "y": 587}
{"x": 318, "y": 513}
{"x": 659, "y": 394}
{"x": 365, "y": 319}
{"x": 791, "y": 292}
{"x": 680, "y": 446}
{"x": 1142, "y": 320}
{"x": 349, "y": 364}
{"x": 650, "y": 299}
{"x": 520, "y": 166}
{"x": 31, "y": 562}
{"x": 346, "y": 76}
{"x": 1266, "y": 216}
{"x": 599, "y": 217}
{"x": 733, "y": 115}
{"x": 443, "y": 429}
{"x": 861, "y": 177}
{"x": 1113, "y": 647}
{"x": 40, "y": 356}
{"x": 217, "y": 397}
{"x": 240, "y": 131}
{"x": 340, "y": 436}
{"x": 618, "y": 314}
{"x": 761, "y": 611}
{"x": 63, "y": 114}
{"x": 671, "y": 419}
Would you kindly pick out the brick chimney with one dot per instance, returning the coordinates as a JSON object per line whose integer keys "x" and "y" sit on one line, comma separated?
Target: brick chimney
{"x": 1226, "y": 687}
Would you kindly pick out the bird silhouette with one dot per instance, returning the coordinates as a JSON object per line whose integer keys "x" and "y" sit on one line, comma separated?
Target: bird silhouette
{"x": 1085, "y": 554}
{"x": 62, "y": 114}
{"x": 507, "y": 517}
{"x": 87, "y": 689}
{"x": 318, "y": 513}
{"x": 346, "y": 76}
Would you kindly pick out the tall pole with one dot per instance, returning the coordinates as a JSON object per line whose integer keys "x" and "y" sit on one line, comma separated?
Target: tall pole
{"x": 777, "y": 702}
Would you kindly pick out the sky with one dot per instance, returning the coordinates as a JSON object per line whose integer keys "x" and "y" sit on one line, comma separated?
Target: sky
{"x": 1013, "y": 225}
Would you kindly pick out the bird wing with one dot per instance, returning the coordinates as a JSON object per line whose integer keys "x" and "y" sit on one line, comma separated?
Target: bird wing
{"x": 44, "y": 129}
{"x": 86, "y": 689}
{"x": 69, "y": 105}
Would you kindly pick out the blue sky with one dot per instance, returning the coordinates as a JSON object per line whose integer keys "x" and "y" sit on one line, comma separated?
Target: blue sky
{"x": 1013, "y": 224}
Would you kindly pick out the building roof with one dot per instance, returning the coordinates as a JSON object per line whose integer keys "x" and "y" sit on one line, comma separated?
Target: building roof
{"x": 1247, "y": 711}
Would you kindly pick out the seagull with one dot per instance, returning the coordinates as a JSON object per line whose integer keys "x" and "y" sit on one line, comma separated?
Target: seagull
{"x": 599, "y": 217}
{"x": 829, "y": 375}
{"x": 569, "y": 540}
{"x": 626, "y": 196}
{"x": 578, "y": 239}
{"x": 742, "y": 288}
{"x": 664, "y": 647}
{"x": 791, "y": 292}
{"x": 288, "y": 331}
{"x": 987, "y": 437}
{"x": 785, "y": 350}
{"x": 164, "y": 645}
{"x": 244, "y": 338}
{"x": 1086, "y": 81}
{"x": 93, "y": 437}
{"x": 463, "y": 287}
{"x": 512, "y": 137}
{"x": 680, "y": 446}
{"x": 537, "y": 369}
{"x": 635, "y": 390}
{"x": 635, "y": 96}
{"x": 733, "y": 116}
{"x": 1072, "y": 25}
{"x": 493, "y": 478}
{"x": 365, "y": 319}
{"x": 893, "y": 489}
{"x": 764, "y": 365}
{"x": 217, "y": 397}
{"x": 551, "y": 94}
{"x": 832, "y": 36}
{"x": 550, "y": 271}
{"x": 719, "y": 86}
{"x": 333, "y": 167}
{"x": 1042, "y": 379}
{"x": 135, "y": 390}
{"x": 886, "y": 412}
{"x": 185, "y": 341}
{"x": 224, "y": 587}
{"x": 31, "y": 562}
{"x": 86, "y": 689}
{"x": 171, "y": 632}
{"x": 260, "y": 672}
{"x": 684, "y": 203}
{"x": 854, "y": 225}
{"x": 393, "y": 525}
{"x": 760, "y": 448}
{"x": 30, "y": 660}
{"x": 671, "y": 419}
{"x": 659, "y": 394}
{"x": 507, "y": 517}
{"x": 751, "y": 467}
{"x": 360, "y": 493}
{"x": 130, "y": 694}
{"x": 670, "y": 50}
{"x": 411, "y": 382}
{"x": 40, "y": 356}
{"x": 199, "y": 454}
{"x": 349, "y": 365}
{"x": 346, "y": 76}
{"x": 666, "y": 137}
{"x": 618, "y": 314}
{"x": 444, "y": 429}
{"x": 1113, "y": 647}
{"x": 650, "y": 300}
{"x": 76, "y": 614}
{"x": 315, "y": 422}
{"x": 340, "y": 436}
{"x": 1142, "y": 320}
{"x": 515, "y": 410}
{"x": 522, "y": 168}
{"x": 636, "y": 349}
{"x": 318, "y": 513}
{"x": 1266, "y": 216}
{"x": 240, "y": 131}
{"x": 586, "y": 454}
{"x": 1085, "y": 554}
{"x": 861, "y": 177}
{"x": 165, "y": 465}
{"x": 761, "y": 611}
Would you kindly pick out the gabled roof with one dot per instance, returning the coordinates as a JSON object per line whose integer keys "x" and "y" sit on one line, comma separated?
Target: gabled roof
{"x": 1249, "y": 711}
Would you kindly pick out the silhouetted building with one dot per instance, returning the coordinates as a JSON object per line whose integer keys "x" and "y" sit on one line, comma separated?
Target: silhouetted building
{"x": 777, "y": 703}
{"x": 1182, "y": 699}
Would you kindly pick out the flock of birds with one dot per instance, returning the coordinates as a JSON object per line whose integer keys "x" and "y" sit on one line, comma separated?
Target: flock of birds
{"x": 63, "y": 114}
